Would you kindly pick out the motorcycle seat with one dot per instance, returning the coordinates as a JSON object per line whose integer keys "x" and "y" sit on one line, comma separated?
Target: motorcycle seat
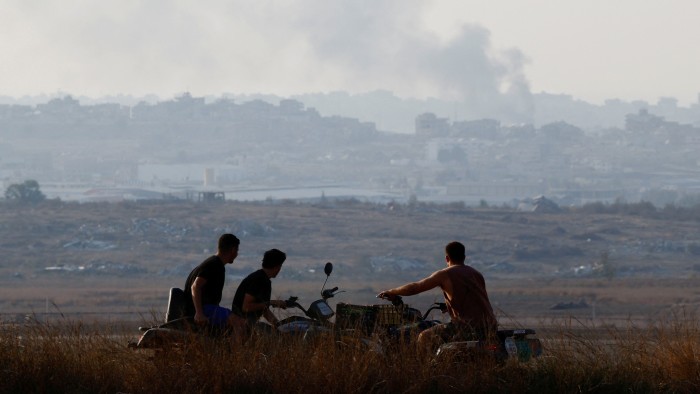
{"x": 176, "y": 305}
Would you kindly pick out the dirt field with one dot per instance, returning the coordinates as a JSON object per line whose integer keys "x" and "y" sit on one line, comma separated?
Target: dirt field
{"x": 118, "y": 260}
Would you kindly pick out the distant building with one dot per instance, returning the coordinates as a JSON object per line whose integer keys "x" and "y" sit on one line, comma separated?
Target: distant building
{"x": 643, "y": 121}
{"x": 428, "y": 124}
{"x": 209, "y": 196}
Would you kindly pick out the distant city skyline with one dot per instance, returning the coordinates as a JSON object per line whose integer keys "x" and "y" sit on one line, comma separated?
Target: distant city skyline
{"x": 470, "y": 50}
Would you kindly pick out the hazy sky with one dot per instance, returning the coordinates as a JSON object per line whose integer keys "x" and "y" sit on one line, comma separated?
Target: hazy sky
{"x": 591, "y": 49}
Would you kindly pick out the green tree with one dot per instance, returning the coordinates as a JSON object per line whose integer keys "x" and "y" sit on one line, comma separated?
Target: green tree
{"x": 27, "y": 192}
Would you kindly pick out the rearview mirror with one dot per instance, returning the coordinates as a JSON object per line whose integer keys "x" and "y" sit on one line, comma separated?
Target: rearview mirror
{"x": 328, "y": 268}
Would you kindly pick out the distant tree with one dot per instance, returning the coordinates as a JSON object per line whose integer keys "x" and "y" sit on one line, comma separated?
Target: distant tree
{"x": 608, "y": 267}
{"x": 412, "y": 201}
{"x": 27, "y": 192}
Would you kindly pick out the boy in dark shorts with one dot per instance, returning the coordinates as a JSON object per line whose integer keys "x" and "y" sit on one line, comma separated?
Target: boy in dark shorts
{"x": 205, "y": 284}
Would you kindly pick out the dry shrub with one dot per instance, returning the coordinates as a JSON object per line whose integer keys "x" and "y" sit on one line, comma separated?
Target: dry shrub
{"x": 661, "y": 358}
{"x": 44, "y": 358}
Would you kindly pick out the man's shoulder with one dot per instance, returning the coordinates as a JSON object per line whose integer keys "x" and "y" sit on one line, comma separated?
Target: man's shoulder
{"x": 440, "y": 274}
{"x": 472, "y": 269}
{"x": 211, "y": 264}
{"x": 255, "y": 276}
{"x": 213, "y": 259}
{"x": 461, "y": 268}
{"x": 254, "y": 281}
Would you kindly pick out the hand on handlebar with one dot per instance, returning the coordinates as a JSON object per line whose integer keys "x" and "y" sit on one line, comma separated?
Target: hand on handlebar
{"x": 290, "y": 302}
{"x": 385, "y": 295}
{"x": 395, "y": 299}
{"x": 278, "y": 304}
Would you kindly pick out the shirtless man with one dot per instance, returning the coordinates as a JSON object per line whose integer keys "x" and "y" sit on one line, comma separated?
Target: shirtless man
{"x": 465, "y": 294}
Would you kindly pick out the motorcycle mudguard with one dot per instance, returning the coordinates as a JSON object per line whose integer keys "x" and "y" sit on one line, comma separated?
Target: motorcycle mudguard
{"x": 295, "y": 324}
{"x": 462, "y": 350}
{"x": 157, "y": 338}
{"x": 175, "y": 332}
{"x": 183, "y": 324}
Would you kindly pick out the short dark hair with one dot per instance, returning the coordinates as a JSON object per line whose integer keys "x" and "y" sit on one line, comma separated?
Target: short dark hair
{"x": 273, "y": 258}
{"x": 228, "y": 242}
{"x": 456, "y": 252}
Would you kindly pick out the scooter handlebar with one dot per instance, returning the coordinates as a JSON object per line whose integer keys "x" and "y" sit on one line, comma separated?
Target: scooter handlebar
{"x": 329, "y": 293}
{"x": 291, "y": 302}
{"x": 397, "y": 300}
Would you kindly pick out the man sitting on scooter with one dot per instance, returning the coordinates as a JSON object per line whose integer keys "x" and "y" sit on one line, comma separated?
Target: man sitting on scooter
{"x": 205, "y": 284}
{"x": 465, "y": 294}
{"x": 252, "y": 298}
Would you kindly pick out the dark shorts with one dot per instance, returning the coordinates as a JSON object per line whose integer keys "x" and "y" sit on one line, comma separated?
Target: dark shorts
{"x": 218, "y": 316}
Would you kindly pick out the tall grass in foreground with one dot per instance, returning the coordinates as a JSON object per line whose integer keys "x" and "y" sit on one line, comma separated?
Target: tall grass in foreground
{"x": 72, "y": 358}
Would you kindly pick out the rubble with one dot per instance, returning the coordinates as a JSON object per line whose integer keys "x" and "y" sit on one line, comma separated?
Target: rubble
{"x": 392, "y": 264}
{"x": 539, "y": 204}
{"x": 570, "y": 305}
{"x": 98, "y": 267}
{"x": 89, "y": 245}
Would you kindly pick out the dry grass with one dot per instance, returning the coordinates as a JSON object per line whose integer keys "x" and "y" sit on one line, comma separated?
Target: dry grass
{"x": 75, "y": 358}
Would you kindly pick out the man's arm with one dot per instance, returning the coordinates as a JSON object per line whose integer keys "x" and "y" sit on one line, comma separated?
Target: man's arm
{"x": 270, "y": 317}
{"x": 196, "y": 290}
{"x": 414, "y": 288}
{"x": 250, "y": 305}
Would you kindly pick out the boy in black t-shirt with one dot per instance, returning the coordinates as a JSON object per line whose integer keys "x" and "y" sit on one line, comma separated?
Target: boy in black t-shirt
{"x": 252, "y": 298}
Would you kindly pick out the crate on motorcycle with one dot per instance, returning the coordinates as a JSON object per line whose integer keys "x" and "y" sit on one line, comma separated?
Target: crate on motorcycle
{"x": 389, "y": 315}
{"x": 369, "y": 317}
{"x": 352, "y": 316}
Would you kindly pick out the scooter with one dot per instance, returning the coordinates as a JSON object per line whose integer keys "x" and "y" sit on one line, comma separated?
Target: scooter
{"x": 179, "y": 328}
{"x": 520, "y": 344}
{"x": 316, "y": 317}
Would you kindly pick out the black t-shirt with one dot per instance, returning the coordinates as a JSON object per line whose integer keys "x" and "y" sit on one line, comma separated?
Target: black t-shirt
{"x": 213, "y": 270}
{"x": 259, "y": 286}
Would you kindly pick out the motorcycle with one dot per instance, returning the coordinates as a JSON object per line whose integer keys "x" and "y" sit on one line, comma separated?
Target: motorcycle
{"x": 316, "y": 317}
{"x": 520, "y": 344}
{"x": 179, "y": 328}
